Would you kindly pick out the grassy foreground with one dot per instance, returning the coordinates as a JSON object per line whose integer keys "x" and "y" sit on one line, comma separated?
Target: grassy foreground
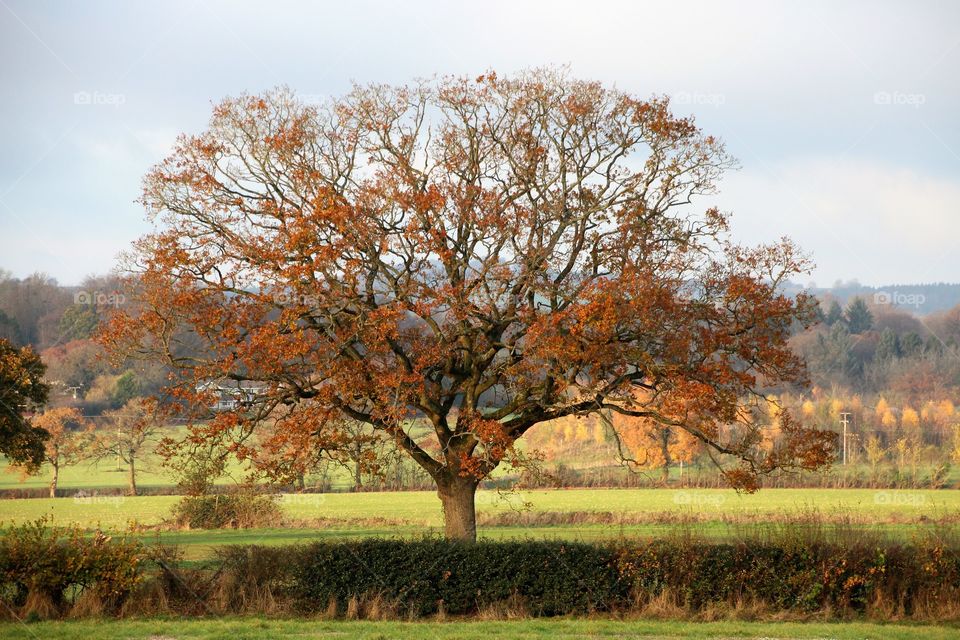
{"x": 255, "y": 629}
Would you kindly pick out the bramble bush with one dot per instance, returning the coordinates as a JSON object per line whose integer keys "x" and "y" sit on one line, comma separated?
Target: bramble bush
{"x": 46, "y": 570}
{"x": 228, "y": 510}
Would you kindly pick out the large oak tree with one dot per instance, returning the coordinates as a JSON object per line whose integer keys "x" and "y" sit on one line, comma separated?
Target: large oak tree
{"x": 485, "y": 254}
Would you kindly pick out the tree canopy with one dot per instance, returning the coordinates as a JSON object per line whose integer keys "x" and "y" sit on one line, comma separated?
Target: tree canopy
{"x": 22, "y": 392}
{"x": 858, "y": 316}
{"x": 485, "y": 254}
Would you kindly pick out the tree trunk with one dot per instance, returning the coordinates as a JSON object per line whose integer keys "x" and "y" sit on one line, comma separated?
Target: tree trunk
{"x": 665, "y": 450}
{"x": 357, "y": 457}
{"x": 54, "y": 480}
{"x": 459, "y": 513}
{"x": 133, "y": 476}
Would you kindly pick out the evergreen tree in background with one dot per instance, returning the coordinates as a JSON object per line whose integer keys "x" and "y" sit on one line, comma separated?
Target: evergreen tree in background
{"x": 78, "y": 322}
{"x": 858, "y": 316}
{"x": 888, "y": 347}
{"x": 911, "y": 344}
{"x": 22, "y": 393}
{"x": 834, "y": 313}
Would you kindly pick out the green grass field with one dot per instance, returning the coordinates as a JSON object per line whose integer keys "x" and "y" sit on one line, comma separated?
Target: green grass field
{"x": 566, "y": 629}
{"x": 422, "y": 508}
{"x": 104, "y": 473}
{"x": 629, "y": 513}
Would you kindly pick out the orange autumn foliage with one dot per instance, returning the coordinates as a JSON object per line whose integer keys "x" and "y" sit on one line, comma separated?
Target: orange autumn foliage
{"x": 487, "y": 254}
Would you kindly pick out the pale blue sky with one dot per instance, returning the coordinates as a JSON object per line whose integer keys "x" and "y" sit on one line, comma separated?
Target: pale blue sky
{"x": 844, "y": 115}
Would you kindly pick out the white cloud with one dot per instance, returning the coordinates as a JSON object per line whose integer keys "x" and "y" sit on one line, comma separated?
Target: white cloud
{"x": 859, "y": 218}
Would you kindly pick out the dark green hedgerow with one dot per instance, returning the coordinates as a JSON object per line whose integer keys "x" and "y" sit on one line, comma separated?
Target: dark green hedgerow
{"x": 798, "y": 576}
{"x": 553, "y": 578}
{"x": 550, "y": 578}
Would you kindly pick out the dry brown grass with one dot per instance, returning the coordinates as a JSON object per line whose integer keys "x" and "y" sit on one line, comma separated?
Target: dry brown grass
{"x": 88, "y": 604}
{"x": 513, "y": 608}
{"x": 39, "y": 605}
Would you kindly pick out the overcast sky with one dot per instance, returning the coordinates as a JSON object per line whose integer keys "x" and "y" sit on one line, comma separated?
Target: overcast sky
{"x": 845, "y": 117}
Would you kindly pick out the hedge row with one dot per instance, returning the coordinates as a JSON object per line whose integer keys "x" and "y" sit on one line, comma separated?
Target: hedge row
{"x": 52, "y": 572}
{"x": 551, "y": 578}
{"x": 555, "y": 578}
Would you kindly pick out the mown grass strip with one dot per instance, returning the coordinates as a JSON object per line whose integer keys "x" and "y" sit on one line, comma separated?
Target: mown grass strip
{"x": 563, "y": 629}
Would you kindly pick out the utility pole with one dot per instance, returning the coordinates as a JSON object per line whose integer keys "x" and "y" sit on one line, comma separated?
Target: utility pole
{"x": 844, "y": 420}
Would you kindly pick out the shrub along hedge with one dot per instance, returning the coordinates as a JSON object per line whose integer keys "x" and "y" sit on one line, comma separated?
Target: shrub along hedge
{"x": 228, "y": 510}
{"x": 797, "y": 577}
{"x": 48, "y": 571}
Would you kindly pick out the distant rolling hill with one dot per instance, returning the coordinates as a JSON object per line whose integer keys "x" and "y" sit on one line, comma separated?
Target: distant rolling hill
{"x": 919, "y": 299}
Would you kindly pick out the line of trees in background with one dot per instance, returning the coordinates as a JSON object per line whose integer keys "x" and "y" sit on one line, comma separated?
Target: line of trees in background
{"x": 883, "y": 349}
{"x": 93, "y": 409}
{"x": 126, "y": 435}
{"x": 59, "y": 323}
{"x": 864, "y": 347}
